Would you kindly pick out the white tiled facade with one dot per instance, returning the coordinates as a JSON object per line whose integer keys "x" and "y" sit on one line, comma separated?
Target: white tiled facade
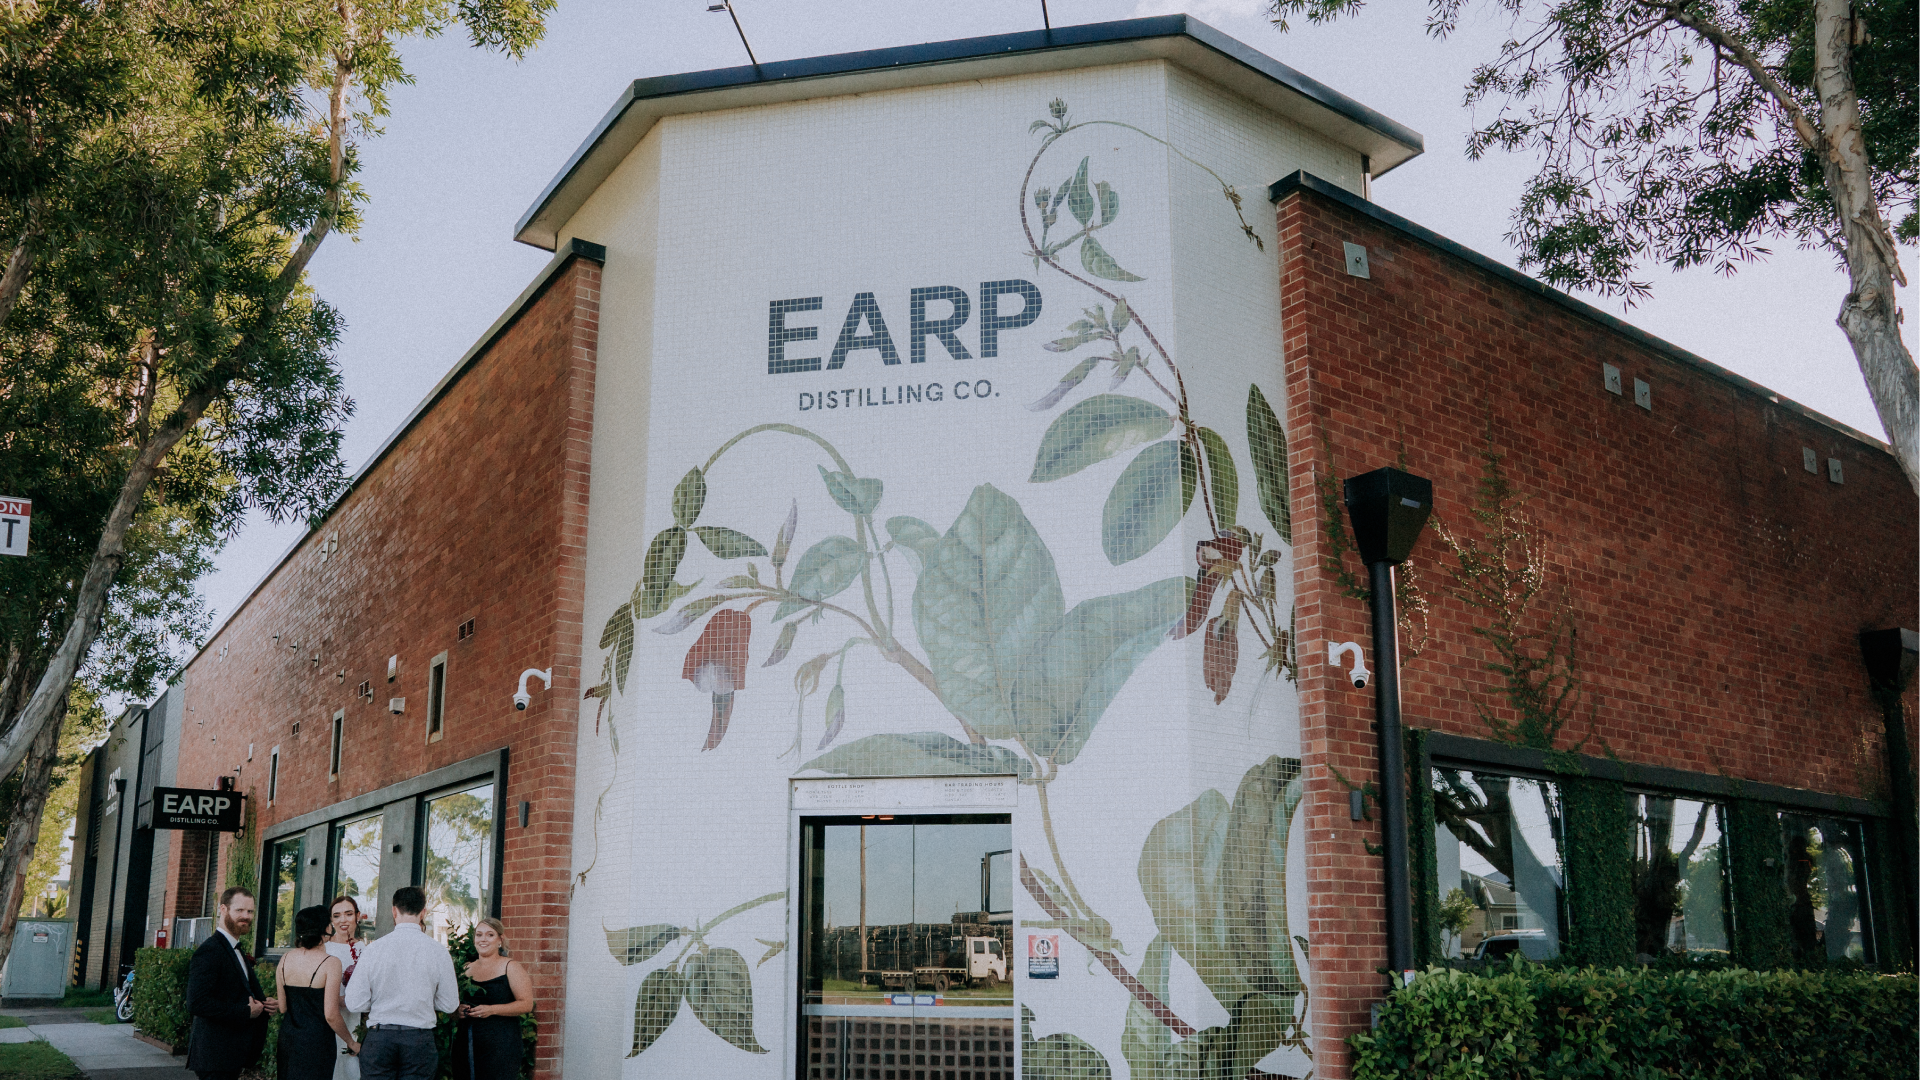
{"x": 710, "y": 220}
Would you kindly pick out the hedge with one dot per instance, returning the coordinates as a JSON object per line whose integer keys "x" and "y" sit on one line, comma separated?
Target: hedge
{"x": 1534, "y": 1022}
{"x": 160, "y": 994}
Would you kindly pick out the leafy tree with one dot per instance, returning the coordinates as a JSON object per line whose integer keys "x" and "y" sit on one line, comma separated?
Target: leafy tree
{"x": 1690, "y": 132}
{"x": 168, "y": 169}
{"x": 168, "y": 239}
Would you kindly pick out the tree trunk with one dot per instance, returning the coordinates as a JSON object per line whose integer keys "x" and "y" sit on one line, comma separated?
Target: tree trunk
{"x": 1869, "y": 315}
{"x": 23, "y": 826}
{"x": 19, "y": 266}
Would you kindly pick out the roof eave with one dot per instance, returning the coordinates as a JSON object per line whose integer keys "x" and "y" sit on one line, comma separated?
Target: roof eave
{"x": 1179, "y": 38}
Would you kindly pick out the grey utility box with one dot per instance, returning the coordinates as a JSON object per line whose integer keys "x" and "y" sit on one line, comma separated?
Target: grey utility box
{"x": 37, "y": 967}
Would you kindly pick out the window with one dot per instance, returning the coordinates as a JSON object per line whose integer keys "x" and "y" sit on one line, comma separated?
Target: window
{"x": 1828, "y": 916}
{"x": 283, "y": 890}
{"x": 356, "y": 865}
{"x": 436, "y": 697}
{"x": 1679, "y": 876}
{"x": 273, "y": 775}
{"x": 457, "y": 869}
{"x": 333, "y": 754}
{"x": 904, "y": 947}
{"x": 1497, "y": 852}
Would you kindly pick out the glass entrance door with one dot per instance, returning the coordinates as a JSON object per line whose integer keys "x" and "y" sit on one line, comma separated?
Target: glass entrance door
{"x": 906, "y": 957}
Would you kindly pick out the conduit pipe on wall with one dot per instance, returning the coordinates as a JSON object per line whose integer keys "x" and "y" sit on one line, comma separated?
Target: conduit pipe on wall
{"x": 1388, "y": 509}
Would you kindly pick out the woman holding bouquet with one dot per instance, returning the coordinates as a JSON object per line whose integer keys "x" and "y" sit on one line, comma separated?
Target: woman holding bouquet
{"x": 487, "y": 1044}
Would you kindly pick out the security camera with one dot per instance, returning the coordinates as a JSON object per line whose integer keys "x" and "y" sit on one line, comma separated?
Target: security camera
{"x": 522, "y": 699}
{"x": 1360, "y": 675}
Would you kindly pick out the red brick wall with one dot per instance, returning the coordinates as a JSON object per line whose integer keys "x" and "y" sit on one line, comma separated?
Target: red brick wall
{"x": 1718, "y": 587}
{"x": 478, "y": 512}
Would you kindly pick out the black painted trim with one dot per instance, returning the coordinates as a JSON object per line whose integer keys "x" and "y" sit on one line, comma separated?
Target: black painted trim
{"x": 492, "y": 763}
{"x": 976, "y": 48}
{"x": 1305, "y": 181}
{"x": 1459, "y": 750}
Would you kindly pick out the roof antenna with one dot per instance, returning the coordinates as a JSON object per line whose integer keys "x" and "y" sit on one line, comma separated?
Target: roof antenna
{"x": 1044, "y": 17}
{"x": 727, "y": 6}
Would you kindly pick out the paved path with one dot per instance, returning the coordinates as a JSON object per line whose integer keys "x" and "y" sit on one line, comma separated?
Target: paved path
{"x": 101, "y": 1051}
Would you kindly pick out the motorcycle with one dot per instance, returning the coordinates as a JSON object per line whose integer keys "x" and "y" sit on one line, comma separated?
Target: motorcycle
{"x": 123, "y": 999}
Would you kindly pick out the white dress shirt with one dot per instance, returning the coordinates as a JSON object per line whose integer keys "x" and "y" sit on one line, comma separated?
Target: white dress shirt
{"x": 234, "y": 944}
{"x": 402, "y": 979}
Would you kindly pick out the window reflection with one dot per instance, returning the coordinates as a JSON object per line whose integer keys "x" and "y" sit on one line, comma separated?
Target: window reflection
{"x": 284, "y": 889}
{"x": 1828, "y": 916}
{"x": 457, "y": 874}
{"x": 356, "y": 866}
{"x": 1679, "y": 877}
{"x": 906, "y": 948}
{"x": 1497, "y": 849}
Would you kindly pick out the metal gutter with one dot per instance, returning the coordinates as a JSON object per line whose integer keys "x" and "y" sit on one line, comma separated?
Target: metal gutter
{"x": 1179, "y": 38}
{"x": 1306, "y": 181}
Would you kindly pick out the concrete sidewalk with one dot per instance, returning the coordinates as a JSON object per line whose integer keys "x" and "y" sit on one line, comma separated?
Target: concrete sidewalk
{"x": 104, "y": 1051}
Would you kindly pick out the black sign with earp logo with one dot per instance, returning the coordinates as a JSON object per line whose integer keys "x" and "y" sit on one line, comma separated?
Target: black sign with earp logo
{"x": 193, "y": 808}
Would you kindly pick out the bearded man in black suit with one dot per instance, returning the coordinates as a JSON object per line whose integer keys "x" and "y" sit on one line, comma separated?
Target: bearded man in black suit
{"x": 229, "y": 1009}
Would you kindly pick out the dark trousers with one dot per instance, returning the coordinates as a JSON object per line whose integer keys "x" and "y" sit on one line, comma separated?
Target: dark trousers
{"x": 398, "y": 1054}
{"x": 219, "y": 1074}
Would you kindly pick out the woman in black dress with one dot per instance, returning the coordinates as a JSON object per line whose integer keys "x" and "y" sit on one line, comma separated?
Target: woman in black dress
{"x": 308, "y": 986}
{"x": 487, "y": 1046}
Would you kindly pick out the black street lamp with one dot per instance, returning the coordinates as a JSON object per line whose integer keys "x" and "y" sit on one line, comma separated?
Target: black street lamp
{"x": 1388, "y": 509}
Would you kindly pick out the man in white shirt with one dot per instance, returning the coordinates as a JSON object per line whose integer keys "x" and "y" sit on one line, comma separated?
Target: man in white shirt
{"x": 401, "y": 980}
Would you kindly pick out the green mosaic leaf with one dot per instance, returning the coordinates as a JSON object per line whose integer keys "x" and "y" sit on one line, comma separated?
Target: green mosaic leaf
{"x": 825, "y": 570}
{"x": 656, "y": 1007}
{"x": 912, "y": 533}
{"x": 1079, "y": 200}
{"x": 728, "y": 544}
{"x": 1059, "y": 1055}
{"x": 1095, "y": 260}
{"x": 1267, "y": 445}
{"x": 853, "y": 494}
{"x": 618, "y": 636}
{"x": 1214, "y": 876}
{"x": 1109, "y": 202}
{"x": 1223, "y": 480}
{"x": 638, "y": 944}
{"x": 1149, "y": 499}
{"x": 1095, "y": 430}
{"x": 1146, "y": 1042}
{"x": 923, "y": 753}
{"x": 987, "y": 595}
{"x": 720, "y": 993}
{"x": 784, "y": 645}
{"x": 1067, "y": 683}
{"x": 656, "y": 587}
{"x": 689, "y": 497}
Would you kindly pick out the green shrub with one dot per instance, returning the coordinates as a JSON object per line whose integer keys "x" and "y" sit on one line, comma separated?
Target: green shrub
{"x": 1530, "y": 1021}
{"x": 160, "y": 994}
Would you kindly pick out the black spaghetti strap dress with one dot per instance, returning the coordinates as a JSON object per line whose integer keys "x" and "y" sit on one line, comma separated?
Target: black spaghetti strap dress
{"x": 307, "y": 1050}
{"x": 488, "y": 1047}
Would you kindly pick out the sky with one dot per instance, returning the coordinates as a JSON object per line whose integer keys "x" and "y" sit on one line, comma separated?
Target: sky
{"x": 474, "y": 140}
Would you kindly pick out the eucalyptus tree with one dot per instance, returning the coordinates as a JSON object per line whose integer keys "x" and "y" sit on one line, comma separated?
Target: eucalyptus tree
{"x": 1693, "y": 132}
{"x": 170, "y": 169}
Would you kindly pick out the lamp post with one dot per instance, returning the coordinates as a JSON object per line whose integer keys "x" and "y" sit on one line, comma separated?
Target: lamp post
{"x": 1388, "y": 509}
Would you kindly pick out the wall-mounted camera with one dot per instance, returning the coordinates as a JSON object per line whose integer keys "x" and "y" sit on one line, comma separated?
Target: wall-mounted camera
{"x": 522, "y": 699}
{"x": 1360, "y": 675}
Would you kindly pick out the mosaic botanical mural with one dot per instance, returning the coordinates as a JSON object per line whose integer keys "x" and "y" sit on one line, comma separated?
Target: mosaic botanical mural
{"x": 972, "y": 608}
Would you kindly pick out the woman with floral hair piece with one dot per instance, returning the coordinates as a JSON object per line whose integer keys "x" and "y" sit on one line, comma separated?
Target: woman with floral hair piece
{"x": 343, "y": 944}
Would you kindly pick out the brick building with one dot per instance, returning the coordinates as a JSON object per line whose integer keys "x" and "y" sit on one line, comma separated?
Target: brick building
{"x": 919, "y": 703}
